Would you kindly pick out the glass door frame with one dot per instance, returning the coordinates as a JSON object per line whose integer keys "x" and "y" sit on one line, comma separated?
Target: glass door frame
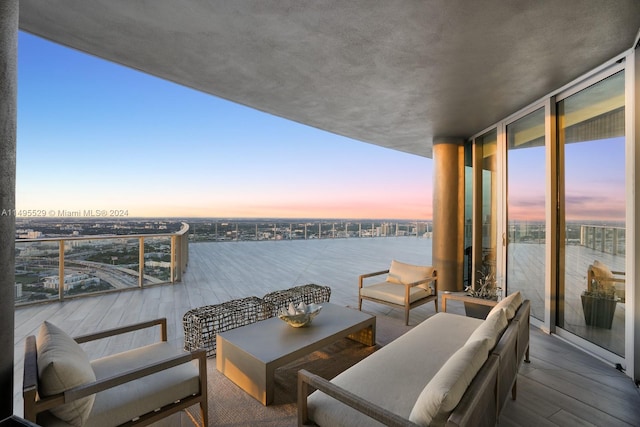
{"x": 477, "y": 203}
{"x": 548, "y": 105}
{"x": 502, "y": 199}
{"x": 601, "y": 74}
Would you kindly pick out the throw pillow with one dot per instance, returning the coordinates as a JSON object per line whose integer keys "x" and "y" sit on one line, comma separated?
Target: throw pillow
{"x": 62, "y": 364}
{"x": 491, "y": 328}
{"x": 443, "y": 393}
{"x": 510, "y": 304}
{"x": 401, "y": 273}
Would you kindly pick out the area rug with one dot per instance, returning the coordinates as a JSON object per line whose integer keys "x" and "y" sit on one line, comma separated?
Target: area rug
{"x": 230, "y": 406}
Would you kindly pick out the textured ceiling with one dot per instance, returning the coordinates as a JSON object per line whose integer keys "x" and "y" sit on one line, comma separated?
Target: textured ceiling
{"x": 392, "y": 73}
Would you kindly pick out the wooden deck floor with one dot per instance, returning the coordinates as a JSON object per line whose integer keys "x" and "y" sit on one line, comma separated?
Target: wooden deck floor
{"x": 562, "y": 385}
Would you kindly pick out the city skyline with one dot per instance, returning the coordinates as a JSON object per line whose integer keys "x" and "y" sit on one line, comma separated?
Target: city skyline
{"x": 97, "y": 136}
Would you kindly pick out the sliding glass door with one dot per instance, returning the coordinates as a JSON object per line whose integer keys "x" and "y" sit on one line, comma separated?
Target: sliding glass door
{"x": 591, "y": 148}
{"x": 484, "y": 205}
{"x": 525, "y": 237}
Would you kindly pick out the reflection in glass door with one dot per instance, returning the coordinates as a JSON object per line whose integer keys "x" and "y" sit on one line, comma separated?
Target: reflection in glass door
{"x": 526, "y": 237}
{"x": 468, "y": 216}
{"x": 591, "y": 140}
{"x": 485, "y": 247}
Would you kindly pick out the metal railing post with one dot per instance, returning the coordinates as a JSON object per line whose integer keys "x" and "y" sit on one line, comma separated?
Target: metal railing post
{"x": 141, "y": 262}
{"x": 61, "y": 270}
{"x": 175, "y": 259}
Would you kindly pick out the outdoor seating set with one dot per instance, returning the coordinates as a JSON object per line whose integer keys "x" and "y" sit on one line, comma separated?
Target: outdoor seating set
{"x": 137, "y": 387}
{"x": 450, "y": 369}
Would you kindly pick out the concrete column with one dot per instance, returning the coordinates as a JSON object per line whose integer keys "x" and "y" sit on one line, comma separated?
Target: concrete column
{"x": 8, "y": 118}
{"x": 448, "y": 212}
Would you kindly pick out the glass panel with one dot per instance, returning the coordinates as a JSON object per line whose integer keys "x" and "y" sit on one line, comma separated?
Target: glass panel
{"x": 488, "y": 146}
{"x": 157, "y": 260}
{"x": 591, "y": 134}
{"x": 526, "y": 209}
{"x": 468, "y": 215}
{"x": 113, "y": 263}
{"x": 242, "y": 230}
{"x": 37, "y": 268}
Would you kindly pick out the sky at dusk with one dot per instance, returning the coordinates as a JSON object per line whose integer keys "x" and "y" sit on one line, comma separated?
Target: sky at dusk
{"x": 96, "y": 135}
{"x": 594, "y": 182}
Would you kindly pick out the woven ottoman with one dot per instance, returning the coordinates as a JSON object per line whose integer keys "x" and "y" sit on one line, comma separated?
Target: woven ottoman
{"x": 201, "y": 325}
{"x": 308, "y": 294}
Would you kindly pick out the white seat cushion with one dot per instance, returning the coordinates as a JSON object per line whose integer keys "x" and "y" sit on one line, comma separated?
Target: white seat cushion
{"x": 62, "y": 364}
{"x": 393, "y": 293}
{"x": 125, "y": 402}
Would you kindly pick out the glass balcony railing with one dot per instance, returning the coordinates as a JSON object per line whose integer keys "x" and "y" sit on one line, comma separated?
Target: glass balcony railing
{"x": 607, "y": 239}
{"x": 251, "y": 230}
{"x": 60, "y": 268}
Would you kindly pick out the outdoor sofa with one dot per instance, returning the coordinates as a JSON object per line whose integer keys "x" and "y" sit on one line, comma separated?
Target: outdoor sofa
{"x": 450, "y": 370}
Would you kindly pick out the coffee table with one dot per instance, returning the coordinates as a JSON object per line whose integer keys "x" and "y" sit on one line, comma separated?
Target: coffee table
{"x": 249, "y": 355}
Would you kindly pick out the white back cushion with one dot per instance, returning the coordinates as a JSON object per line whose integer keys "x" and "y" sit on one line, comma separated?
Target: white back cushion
{"x": 491, "y": 328}
{"x": 62, "y": 365}
{"x": 510, "y": 304}
{"x": 402, "y": 273}
{"x": 443, "y": 393}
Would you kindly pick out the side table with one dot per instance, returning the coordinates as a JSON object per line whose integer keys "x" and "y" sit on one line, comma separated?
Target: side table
{"x": 464, "y": 298}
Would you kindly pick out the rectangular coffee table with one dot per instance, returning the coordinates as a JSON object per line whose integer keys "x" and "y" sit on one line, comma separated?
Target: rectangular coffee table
{"x": 249, "y": 355}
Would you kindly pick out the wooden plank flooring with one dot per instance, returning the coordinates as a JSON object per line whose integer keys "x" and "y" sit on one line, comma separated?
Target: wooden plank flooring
{"x": 562, "y": 386}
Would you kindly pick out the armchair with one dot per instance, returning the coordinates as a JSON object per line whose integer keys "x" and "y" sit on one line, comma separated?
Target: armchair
{"x": 62, "y": 387}
{"x": 600, "y": 272}
{"x": 406, "y": 286}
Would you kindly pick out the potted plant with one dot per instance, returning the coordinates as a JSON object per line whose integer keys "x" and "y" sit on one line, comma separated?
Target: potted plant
{"x": 599, "y": 304}
{"x": 485, "y": 288}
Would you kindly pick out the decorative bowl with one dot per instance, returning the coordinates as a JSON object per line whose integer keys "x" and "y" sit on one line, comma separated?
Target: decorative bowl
{"x": 299, "y": 316}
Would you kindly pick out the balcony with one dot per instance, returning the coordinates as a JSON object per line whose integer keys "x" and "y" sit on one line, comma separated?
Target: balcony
{"x": 562, "y": 385}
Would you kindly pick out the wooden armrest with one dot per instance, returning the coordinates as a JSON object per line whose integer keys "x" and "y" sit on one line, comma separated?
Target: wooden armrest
{"x": 30, "y": 372}
{"x": 125, "y": 329}
{"x": 361, "y": 405}
{"x": 421, "y": 282}
{"x": 364, "y": 276}
{"x": 377, "y": 273}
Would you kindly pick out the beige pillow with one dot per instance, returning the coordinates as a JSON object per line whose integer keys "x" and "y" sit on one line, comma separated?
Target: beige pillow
{"x": 402, "y": 273}
{"x": 602, "y": 272}
{"x": 510, "y": 304}
{"x": 62, "y": 365}
{"x": 604, "y": 269}
{"x": 491, "y": 328}
{"x": 443, "y": 393}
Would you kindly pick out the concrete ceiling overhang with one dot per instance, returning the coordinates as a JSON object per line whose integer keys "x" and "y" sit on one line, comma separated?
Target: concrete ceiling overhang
{"x": 395, "y": 73}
